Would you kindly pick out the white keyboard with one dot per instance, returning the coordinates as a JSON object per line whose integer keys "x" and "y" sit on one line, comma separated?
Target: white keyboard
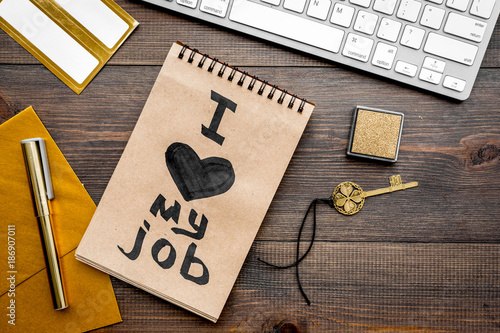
{"x": 436, "y": 45}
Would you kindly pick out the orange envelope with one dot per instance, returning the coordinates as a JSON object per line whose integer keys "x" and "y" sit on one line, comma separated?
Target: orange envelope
{"x": 25, "y": 301}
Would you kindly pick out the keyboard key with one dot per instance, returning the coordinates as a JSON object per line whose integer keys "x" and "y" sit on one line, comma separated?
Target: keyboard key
{"x": 434, "y": 64}
{"x": 450, "y": 48}
{"x": 436, "y": 1}
{"x": 272, "y": 2}
{"x": 430, "y": 76}
{"x": 214, "y": 7}
{"x": 482, "y": 8}
{"x": 319, "y": 9}
{"x": 465, "y": 27}
{"x": 458, "y": 4}
{"x": 412, "y": 37}
{"x": 406, "y": 68}
{"x": 389, "y": 30}
{"x": 188, "y": 3}
{"x": 432, "y": 17}
{"x": 384, "y": 55}
{"x": 454, "y": 83}
{"x": 409, "y": 10}
{"x": 385, "y": 6}
{"x": 357, "y": 47}
{"x": 362, "y": 3}
{"x": 365, "y": 22}
{"x": 295, "y": 5}
{"x": 286, "y": 25}
{"x": 342, "y": 15}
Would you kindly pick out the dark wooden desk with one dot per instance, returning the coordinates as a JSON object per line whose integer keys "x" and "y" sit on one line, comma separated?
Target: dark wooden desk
{"x": 426, "y": 259}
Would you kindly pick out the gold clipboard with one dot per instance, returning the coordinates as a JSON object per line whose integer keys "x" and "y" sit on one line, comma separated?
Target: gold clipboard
{"x": 80, "y": 33}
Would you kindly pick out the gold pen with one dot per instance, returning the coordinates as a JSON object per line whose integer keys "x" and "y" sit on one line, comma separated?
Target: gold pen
{"x": 37, "y": 167}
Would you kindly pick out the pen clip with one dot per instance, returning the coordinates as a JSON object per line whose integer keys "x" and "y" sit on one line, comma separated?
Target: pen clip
{"x": 45, "y": 165}
{"x": 46, "y": 169}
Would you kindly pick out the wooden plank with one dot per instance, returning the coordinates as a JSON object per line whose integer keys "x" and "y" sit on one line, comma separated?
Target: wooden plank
{"x": 159, "y": 28}
{"x": 452, "y": 149}
{"x": 353, "y": 287}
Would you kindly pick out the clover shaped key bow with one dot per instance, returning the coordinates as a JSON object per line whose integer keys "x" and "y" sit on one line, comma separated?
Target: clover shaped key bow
{"x": 348, "y": 197}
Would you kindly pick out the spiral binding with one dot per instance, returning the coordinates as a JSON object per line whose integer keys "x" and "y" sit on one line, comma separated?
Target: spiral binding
{"x": 242, "y": 79}
{"x": 202, "y": 61}
{"x": 191, "y": 56}
{"x": 282, "y": 97}
{"x": 252, "y": 83}
{"x": 231, "y": 75}
{"x": 222, "y": 69}
{"x": 212, "y": 64}
{"x": 262, "y": 87}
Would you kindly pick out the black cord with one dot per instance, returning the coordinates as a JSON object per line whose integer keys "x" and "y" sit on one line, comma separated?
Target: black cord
{"x": 297, "y": 258}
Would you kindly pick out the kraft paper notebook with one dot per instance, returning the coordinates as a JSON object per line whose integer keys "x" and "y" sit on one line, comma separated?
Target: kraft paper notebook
{"x": 195, "y": 181}
{"x": 24, "y": 284}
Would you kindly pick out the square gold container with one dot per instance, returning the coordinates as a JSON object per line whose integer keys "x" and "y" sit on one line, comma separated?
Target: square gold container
{"x": 375, "y": 134}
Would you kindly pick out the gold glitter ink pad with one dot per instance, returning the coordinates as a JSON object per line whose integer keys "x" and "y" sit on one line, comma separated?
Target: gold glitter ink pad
{"x": 375, "y": 134}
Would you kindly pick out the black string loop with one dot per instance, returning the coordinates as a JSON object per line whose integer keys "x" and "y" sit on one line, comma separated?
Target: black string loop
{"x": 299, "y": 258}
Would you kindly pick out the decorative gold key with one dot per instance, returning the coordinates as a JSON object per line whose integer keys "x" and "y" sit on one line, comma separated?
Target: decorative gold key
{"x": 348, "y": 197}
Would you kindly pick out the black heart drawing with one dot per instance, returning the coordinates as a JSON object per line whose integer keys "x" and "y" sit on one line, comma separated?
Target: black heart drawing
{"x": 196, "y": 178}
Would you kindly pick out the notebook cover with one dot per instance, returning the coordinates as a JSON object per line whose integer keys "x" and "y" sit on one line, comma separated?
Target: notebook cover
{"x": 194, "y": 182}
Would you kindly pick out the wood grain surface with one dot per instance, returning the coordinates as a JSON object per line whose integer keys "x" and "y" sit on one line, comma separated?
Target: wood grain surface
{"x": 421, "y": 260}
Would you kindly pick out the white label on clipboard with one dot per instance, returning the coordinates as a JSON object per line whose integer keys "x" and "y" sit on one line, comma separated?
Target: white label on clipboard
{"x": 98, "y": 18}
{"x": 49, "y": 38}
